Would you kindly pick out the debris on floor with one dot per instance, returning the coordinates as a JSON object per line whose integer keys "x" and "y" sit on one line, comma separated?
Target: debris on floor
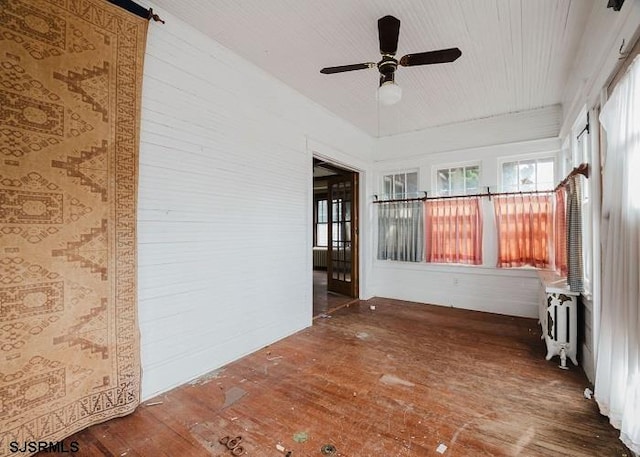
{"x": 153, "y": 403}
{"x": 233, "y": 444}
{"x": 328, "y": 449}
{"x": 284, "y": 450}
{"x": 362, "y": 335}
{"x": 274, "y": 358}
{"x": 372, "y": 307}
{"x": 441, "y": 449}
{"x": 324, "y": 316}
{"x": 588, "y": 393}
{"x": 300, "y": 437}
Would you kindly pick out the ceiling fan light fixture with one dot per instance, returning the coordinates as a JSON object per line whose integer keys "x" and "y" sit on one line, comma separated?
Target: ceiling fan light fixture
{"x": 389, "y": 93}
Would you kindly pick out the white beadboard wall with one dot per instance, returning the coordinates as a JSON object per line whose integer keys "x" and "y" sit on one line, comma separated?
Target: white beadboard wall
{"x": 224, "y": 223}
{"x": 483, "y": 288}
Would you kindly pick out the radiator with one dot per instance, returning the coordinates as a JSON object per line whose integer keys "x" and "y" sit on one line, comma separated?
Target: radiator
{"x": 320, "y": 258}
{"x": 558, "y": 317}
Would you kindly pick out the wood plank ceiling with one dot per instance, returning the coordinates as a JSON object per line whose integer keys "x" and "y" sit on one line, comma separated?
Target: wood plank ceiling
{"x": 517, "y": 54}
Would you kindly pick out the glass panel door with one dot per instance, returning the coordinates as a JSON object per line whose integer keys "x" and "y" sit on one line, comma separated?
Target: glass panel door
{"x": 342, "y": 259}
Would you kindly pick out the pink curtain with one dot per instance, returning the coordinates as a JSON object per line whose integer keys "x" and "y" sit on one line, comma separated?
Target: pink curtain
{"x": 454, "y": 231}
{"x": 525, "y": 227}
{"x": 560, "y": 233}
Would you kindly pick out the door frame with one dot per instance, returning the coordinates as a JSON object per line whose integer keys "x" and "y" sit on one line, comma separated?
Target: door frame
{"x": 356, "y": 211}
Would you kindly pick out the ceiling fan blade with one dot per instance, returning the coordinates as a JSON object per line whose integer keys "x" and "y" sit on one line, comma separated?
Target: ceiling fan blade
{"x": 343, "y": 68}
{"x": 388, "y": 31}
{"x": 431, "y": 57}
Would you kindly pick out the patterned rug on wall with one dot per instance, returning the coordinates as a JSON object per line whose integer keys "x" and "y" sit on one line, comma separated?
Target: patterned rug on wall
{"x": 70, "y": 82}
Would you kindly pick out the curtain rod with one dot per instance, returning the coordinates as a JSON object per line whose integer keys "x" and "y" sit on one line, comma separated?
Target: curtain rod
{"x": 488, "y": 193}
{"x": 582, "y": 169}
{"x": 136, "y": 9}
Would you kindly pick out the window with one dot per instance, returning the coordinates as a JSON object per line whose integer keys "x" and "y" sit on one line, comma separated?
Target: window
{"x": 401, "y": 231}
{"x": 525, "y": 227}
{"x": 401, "y": 224}
{"x": 457, "y": 180}
{"x": 322, "y": 223}
{"x": 454, "y": 230}
{"x": 528, "y": 175}
{"x": 400, "y": 185}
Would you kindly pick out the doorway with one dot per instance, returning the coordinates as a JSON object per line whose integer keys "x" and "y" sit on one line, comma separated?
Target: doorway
{"x": 335, "y": 236}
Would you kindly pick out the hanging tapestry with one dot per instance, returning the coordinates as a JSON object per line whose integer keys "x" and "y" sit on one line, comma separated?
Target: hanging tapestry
{"x": 70, "y": 82}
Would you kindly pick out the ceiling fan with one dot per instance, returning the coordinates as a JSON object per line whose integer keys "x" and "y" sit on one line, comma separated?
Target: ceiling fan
{"x": 388, "y": 30}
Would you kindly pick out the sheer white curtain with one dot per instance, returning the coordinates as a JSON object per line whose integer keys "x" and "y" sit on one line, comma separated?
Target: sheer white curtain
{"x": 617, "y": 388}
{"x": 401, "y": 231}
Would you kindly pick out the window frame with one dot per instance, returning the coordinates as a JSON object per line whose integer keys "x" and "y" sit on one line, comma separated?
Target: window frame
{"x": 393, "y": 173}
{"x": 554, "y": 155}
{"x": 580, "y": 151}
{"x": 467, "y": 164}
{"x": 317, "y": 198}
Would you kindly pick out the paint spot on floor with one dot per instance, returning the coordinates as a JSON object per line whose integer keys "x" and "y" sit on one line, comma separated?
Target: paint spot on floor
{"x": 392, "y": 380}
{"x": 233, "y": 395}
{"x": 362, "y": 335}
{"x": 300, "y": 437}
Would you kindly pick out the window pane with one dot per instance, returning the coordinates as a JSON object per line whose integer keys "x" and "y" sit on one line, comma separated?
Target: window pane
{"x": 321, "y": 235}
{"x": 527, "y": 175}
{"x": 472, "y": 178}
{"x": 545, "y": 174}
{"x": 322, "y": 211}
{"x": 457, "y": 181}
{"x": 399, "y": 186}
{"x": 386, "y": 182}
{"x": 412, "y": 184}
{"x": 510, "y": 176}
{"x": 443, "y": 182}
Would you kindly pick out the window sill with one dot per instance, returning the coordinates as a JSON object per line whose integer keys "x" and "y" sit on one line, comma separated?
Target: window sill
{"x": 522, "y": 272}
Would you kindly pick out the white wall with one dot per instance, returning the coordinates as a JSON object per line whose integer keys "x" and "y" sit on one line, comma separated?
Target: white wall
{"x": 483, "y": 288}
{"x": 504, "y": 129}
{"x": 224, "y": 224}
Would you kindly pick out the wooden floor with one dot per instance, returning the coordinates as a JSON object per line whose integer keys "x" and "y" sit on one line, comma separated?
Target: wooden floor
{"x": 323, "y": 300}
{"x": 399, "y": 380}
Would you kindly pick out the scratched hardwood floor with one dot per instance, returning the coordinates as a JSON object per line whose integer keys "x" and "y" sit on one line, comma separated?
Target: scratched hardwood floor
{"x": 396, "y": 381}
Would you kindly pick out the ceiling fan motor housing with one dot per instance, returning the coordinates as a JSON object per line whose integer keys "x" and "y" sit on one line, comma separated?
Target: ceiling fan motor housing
{"x": 387, "y": 68}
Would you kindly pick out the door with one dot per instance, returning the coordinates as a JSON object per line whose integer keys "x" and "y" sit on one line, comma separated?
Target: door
{"x": 342, "y": 251}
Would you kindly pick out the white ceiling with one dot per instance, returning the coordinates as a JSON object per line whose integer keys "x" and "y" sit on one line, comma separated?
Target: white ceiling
{"x": 516, "y": 54}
